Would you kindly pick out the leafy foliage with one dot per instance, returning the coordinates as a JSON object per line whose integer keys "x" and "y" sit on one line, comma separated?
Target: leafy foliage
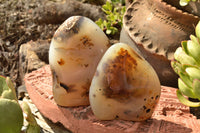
{"x": 114, "y": 16}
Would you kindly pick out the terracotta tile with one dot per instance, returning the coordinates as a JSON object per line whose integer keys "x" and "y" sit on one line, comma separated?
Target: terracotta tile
{"x": 169, "y": 116}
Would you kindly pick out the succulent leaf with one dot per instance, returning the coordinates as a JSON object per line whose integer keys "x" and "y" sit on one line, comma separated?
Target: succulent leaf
{"x": 194, "y": 39}
{"x": 185, "y": 101}
{"x": 194, "y": 50}
{"x": 186, "y": 79}
{"x": 193, "y": 72}
{"x": 3, "y": 85}
{"x": 185, "y": 90}
{"x": 196, "y": 87}
{"x": 184, "y": 66}
{"x": 7, "y": 89}
{"x": 11, "y": 86}
{"x": 177, "y": 67}
{"x": 184, "y": 46}
{"x": 197, "y": 30}
{"x": 11, "y": 116}
{"x": 33, "y": 129}
{"x": 7, "y": 94}
{"x": 183, "y": 58}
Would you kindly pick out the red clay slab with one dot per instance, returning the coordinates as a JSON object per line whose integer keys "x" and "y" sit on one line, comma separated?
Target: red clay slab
{"x": 169, "y": 116}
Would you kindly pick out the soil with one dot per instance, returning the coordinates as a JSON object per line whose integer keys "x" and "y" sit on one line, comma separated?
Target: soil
{"x": 17, "y": 26}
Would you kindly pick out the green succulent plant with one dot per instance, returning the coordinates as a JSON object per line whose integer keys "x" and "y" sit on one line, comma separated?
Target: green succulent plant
{"x": 114, "y": 15}
{"x": 11, "y": 113}
{"x": 187, "y": 66}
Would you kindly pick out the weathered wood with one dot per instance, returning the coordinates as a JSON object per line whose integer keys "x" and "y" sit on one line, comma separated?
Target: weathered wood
{"x": 56, "y": 13}
{"x": 169, "y": 116}
{"x": 32, "y": 56}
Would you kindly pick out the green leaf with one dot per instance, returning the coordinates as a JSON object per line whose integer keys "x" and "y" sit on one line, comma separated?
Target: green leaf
{"x": 114, "y": 30}
{"x": 193, "y": 72}
{"x": 185, "y": 90}
{"x": 99, "y": 22}
{"x": 177, "y": 67}
{"x": 107, "y": 12}
{"x": 183, "y": 58}
{"x": 111, "y": 18}
{"x": 196, "y": 87}
{"x": 115, "y": 11}
{"x": 185, "y": 101}
{"x": 107, "y": 6}
{"x": 184, "y": 66}
{"x": 123, "y": 10}
{"x": 2, "y": 84}
{"x": 8, "y": 94}
{"x": 105, "y": 23}
{"x": 184, "y": 46}
{"x": 197, "y": 30}
{"x": 186, "y": 79}
{"x": 33, "y": 129}
{"x": 7, "y": 89}
{"x": 11, "y": 86}
{"x": 11, "y": 116}
{"x": 194, "y": 39}
{"x": 194, "y": 50}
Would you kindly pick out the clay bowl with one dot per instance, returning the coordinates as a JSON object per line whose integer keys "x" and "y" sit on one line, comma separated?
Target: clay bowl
{"x": 157, "y": 29}
{"x": 128, "y": 2}
{"x": 192, "y": 7}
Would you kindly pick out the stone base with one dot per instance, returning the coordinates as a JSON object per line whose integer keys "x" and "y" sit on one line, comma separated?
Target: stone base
{"x": 169, "y": 116}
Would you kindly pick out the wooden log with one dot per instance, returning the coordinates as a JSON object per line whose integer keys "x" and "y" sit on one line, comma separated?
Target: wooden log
{"x": 56, "y": 13}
